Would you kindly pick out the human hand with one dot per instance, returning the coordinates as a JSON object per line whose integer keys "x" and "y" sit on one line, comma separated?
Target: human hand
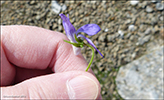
{"x": 37, "y": 64}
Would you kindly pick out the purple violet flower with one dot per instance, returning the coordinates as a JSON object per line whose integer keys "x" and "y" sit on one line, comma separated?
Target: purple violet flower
{"x": 72, "y": 34}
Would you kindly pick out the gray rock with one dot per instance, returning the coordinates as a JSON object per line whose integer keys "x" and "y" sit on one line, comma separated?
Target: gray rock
{"x": 55, "y": 6}
{"x": 134, "y": 2}
{"x": 142, "y": 78}
{"x": 128, "y": 21}
{"x": 154, "y": 21}
{"x": 131, "y": 28}
{"x": 2, "y": 2}
{"x": 102, "y": 37}
{"x": 159, "y": 6}
{"x": 111, "y": 38}
{"x": 106, "y": 30}
{"x": 143, "y": 40}
{"x": 161, "y": 18}
{"x": 144, "y": 4}
{"x": 149, "y": 9}
{"x": 128, "y": 36}
{"x": 153, "y": 1}
{"x": 121, "y": 33}
{"x": 64, "y": 7}
{"x": 54, "y": 26}
{"x": 59, "y": 21}
{"x": 148, "y": 31}
{"x": 39, "y": 16}
{"x": 32, "y": 2}
{"x": 60, "y": 28}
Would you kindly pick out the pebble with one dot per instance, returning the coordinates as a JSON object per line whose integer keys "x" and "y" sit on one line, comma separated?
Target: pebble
{"x": 134, "y": 2}
{"x": 59, "y": 21}
{"x": 102, "y": 37}
{"x": 64, "y": 7}
{"x": 128, "y": 36}
{"x": 159, "y": 6}
{"x": 106, "y": 30}
{"x": 131, "y": 28}
{"x": 153, "y": 1}
{"x": 121, "y": 33}
{"x": 55, "y": 6}
{"x": 2, "y": 2}
{"x": 32, "y": 2}
{"x": 154, "y": 21}
{"x": 128, "y": 21}
{"x": 149, "y": 9}
{"x": 148, "y": 31}
{"x": 161, "y": 18}
{"x": 143, "y": 40}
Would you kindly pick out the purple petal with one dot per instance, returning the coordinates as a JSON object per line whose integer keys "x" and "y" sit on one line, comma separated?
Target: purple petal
{"x": 90, "y": 29}
{"x": 68, "y": 27}
{"x": 90, "y": 42}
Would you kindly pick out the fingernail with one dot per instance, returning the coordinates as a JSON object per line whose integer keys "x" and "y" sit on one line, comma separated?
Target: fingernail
{"x": 82, "y": 87}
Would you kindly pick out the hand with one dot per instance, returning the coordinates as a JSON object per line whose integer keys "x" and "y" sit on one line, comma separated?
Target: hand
{"x": 37, "y": 64}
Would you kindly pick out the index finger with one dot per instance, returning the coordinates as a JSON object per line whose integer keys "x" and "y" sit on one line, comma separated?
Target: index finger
{"x": 37, "y": 48}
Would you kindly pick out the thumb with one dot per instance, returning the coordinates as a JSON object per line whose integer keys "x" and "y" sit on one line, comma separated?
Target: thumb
{"x": 65, "y": 85}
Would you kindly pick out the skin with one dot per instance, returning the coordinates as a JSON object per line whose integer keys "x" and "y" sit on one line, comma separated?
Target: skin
{"x": 36, "y": 62}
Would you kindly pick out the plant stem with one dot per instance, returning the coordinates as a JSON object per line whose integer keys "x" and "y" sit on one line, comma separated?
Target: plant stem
{"x": 91, "y": 58}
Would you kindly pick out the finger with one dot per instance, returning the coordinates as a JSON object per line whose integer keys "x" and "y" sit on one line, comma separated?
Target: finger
{"x": 65, "y": 85}
{"x": 37, "y": 48}
{"x": 7, "y": 73}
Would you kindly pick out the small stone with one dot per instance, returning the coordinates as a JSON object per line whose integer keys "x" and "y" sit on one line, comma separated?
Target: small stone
{"x": 103, "y": 1}
{"x": 162, "y": 32}
{"x": 154, "y": 21}
{"x": 93, "y": 1}
{"x": 148, "y": 31}
{"x": 149, "y": 9}
{"x": 161, "y": 18}
{"x": 131, "y": 28}
{"x": 64, "y": 7}
{"x": 143, "y": 40}
{"x": 38, "y": 17}
{"x": 106, "y": 30}
{"x": 128, "y": 36}
{"x": 55, "y": 7}
{"x": 59, "y": 27}
{"x": 153, "y": 1}
{"x": 144, "y": 4}
{"x": 2, "y": 2}
{"x": 133, "y": 55}
{"x": 54, "y": 26}
{"x": 123, "y": 27}
{"x": 59, "y": 21}
{"x": 134, "y": 2}
{"x": 102, "y": 37}
{"x": 156, "y": 28}
{"x": 121, "y": 33}
{"x": 159, "y": 6}
{"x": 128, "y": 21}
{"x": 32, "y": 2}
{"x": 110, "y": 38}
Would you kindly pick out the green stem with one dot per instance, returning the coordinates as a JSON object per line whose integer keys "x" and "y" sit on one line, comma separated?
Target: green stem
{"x": 91, "y": 58}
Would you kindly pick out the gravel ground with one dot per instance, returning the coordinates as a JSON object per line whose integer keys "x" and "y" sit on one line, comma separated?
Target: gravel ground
{"x": 127, "y": 29}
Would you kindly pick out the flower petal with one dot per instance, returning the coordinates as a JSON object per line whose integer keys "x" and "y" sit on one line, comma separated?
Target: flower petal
{"x": 90, "y": 29}
{"x": 76, "y": 50}
{"x": 68, "y": 27}
{"x": 90, "y": 42}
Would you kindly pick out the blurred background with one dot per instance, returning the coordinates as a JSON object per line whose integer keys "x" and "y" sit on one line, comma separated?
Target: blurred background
{"x": 131, "y": 39}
